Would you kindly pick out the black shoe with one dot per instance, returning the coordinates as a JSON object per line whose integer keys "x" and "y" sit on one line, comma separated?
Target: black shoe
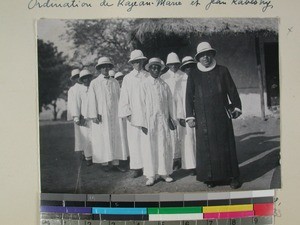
{"x": 235, "y": 184}
{"x": 89, "y": 162}
{"x": 193, "y": 172}
{"x": 137, "y": 173}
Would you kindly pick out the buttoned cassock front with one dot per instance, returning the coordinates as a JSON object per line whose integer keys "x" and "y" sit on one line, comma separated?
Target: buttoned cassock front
{"x": 154, "y": 111}
{"x": 173, "y": 80}
{"x": 73, "y": 107}
{"x": 129, "y": 105}
{"x": 187, "y": 134}
{"x": 103, "y": 96}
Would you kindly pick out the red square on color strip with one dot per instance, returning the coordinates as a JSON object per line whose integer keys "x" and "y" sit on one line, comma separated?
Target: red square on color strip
{"x": 266, "y": 209}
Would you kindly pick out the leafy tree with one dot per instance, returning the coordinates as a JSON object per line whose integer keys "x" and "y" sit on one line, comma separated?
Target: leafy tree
{"x": 95, "y": 38}
{"x": 53, "y": 73}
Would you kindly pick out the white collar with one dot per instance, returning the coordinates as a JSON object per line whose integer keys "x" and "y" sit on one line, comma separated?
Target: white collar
{"x": 206, "y": 69}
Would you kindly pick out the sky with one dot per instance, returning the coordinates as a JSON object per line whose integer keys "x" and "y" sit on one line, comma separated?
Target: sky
{"x": 51, "y": 30}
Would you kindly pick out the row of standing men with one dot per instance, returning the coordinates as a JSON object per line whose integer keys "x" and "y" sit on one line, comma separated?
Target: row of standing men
{"x": 143, "y": 119}
{"x": 152, "y": 118}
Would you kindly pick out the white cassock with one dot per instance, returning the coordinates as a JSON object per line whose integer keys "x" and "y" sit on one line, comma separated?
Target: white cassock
{"x": 173, "y": 80}
{"x": 155, "y": 109}
{"x": 72, "y": 108}
{"x": 103, "y": 96}
{"x": 82, "y": 102}
{"x": 187, "y": 135}
{"x": 129, "y": 105}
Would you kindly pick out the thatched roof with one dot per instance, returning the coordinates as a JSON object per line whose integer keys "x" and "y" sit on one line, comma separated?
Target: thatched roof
{"x": 203, "y": 26}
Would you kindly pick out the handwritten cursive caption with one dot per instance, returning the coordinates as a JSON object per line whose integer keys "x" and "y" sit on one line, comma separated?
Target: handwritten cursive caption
{"x": 131, "y": 5}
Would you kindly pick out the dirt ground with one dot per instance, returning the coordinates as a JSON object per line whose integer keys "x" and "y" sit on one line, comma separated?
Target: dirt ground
{"x": 63, "y": 171}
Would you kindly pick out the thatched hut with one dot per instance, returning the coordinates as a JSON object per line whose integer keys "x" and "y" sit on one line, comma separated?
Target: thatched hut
{"x": 248, "y": 47}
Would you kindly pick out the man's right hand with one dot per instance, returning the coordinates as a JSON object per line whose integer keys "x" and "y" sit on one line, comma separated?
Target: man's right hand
{"x": 191, "y": 123}
{"x": 145, "y": 130}
{"x": 95, "y": 120}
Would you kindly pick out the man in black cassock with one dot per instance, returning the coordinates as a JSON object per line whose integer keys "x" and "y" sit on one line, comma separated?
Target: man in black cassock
{"x": 212, "y": 101}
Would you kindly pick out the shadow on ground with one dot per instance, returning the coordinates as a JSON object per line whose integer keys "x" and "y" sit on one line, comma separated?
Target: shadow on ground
{"x": 63, "y": 171}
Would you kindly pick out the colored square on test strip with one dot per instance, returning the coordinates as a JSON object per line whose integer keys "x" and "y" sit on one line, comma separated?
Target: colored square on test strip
{"x": 240, "y": 201}
{"x": 147, "y": 200}
{"x": 263, "y": 209}
{"x": 51, "y": 203}
{"x": 76, "y": 200}
{"x": 262, "y": 200}
{"x": 195, "y": 203}
{"x": 124, "y": 217}
{"x": 218, "y": 198}
{"x": 171, "y": 199}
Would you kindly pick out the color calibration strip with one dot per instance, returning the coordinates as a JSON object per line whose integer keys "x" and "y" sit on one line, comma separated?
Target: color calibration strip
{"x": 233, "y": 208}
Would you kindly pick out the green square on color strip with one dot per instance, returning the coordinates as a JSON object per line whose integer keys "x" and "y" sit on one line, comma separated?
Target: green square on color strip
{"x": 153, "y": 210}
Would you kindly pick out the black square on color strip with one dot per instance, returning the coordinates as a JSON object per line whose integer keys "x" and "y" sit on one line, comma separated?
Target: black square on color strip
{"x": 171, "y": 204}
{"x": 97, "y": 204}
{"x": 218, "y": 202}
{"x": 195, "y": 203}
{"x": 240, "y": 201}
{"x": 263, "y": 200}
{"x": 74, "y": 204}
{"x": 122, "y": 204}
{"x": 51, "y": 203}
{"x": 146, "y": 204}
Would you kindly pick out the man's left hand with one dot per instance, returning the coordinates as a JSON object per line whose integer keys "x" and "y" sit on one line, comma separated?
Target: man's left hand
{"x": 236, "y": 113}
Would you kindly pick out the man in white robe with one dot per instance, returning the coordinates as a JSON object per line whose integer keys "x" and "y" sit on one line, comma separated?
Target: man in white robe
{"x": 172, "y": 77}
{"x": 85, "y": 78}
{"x": 72, "y": 108}
{"x": 155, "y": 120}
{"x": 129, "y": 105}
{"x": 103, "y": 94}
{"x": 188, "y": 141}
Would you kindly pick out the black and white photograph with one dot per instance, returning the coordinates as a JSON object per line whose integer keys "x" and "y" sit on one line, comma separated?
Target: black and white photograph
{"x": 133, "y": 106}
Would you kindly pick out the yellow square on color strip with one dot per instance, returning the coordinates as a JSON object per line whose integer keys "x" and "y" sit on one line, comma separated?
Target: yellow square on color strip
{"x": 228, "y": 208}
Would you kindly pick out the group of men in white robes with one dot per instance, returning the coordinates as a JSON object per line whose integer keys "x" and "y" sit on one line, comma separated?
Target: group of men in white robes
{"x": 144, "y": 119}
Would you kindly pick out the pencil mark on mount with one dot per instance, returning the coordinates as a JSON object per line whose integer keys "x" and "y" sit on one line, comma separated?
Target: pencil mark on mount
{"x": 290, "y": 30}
